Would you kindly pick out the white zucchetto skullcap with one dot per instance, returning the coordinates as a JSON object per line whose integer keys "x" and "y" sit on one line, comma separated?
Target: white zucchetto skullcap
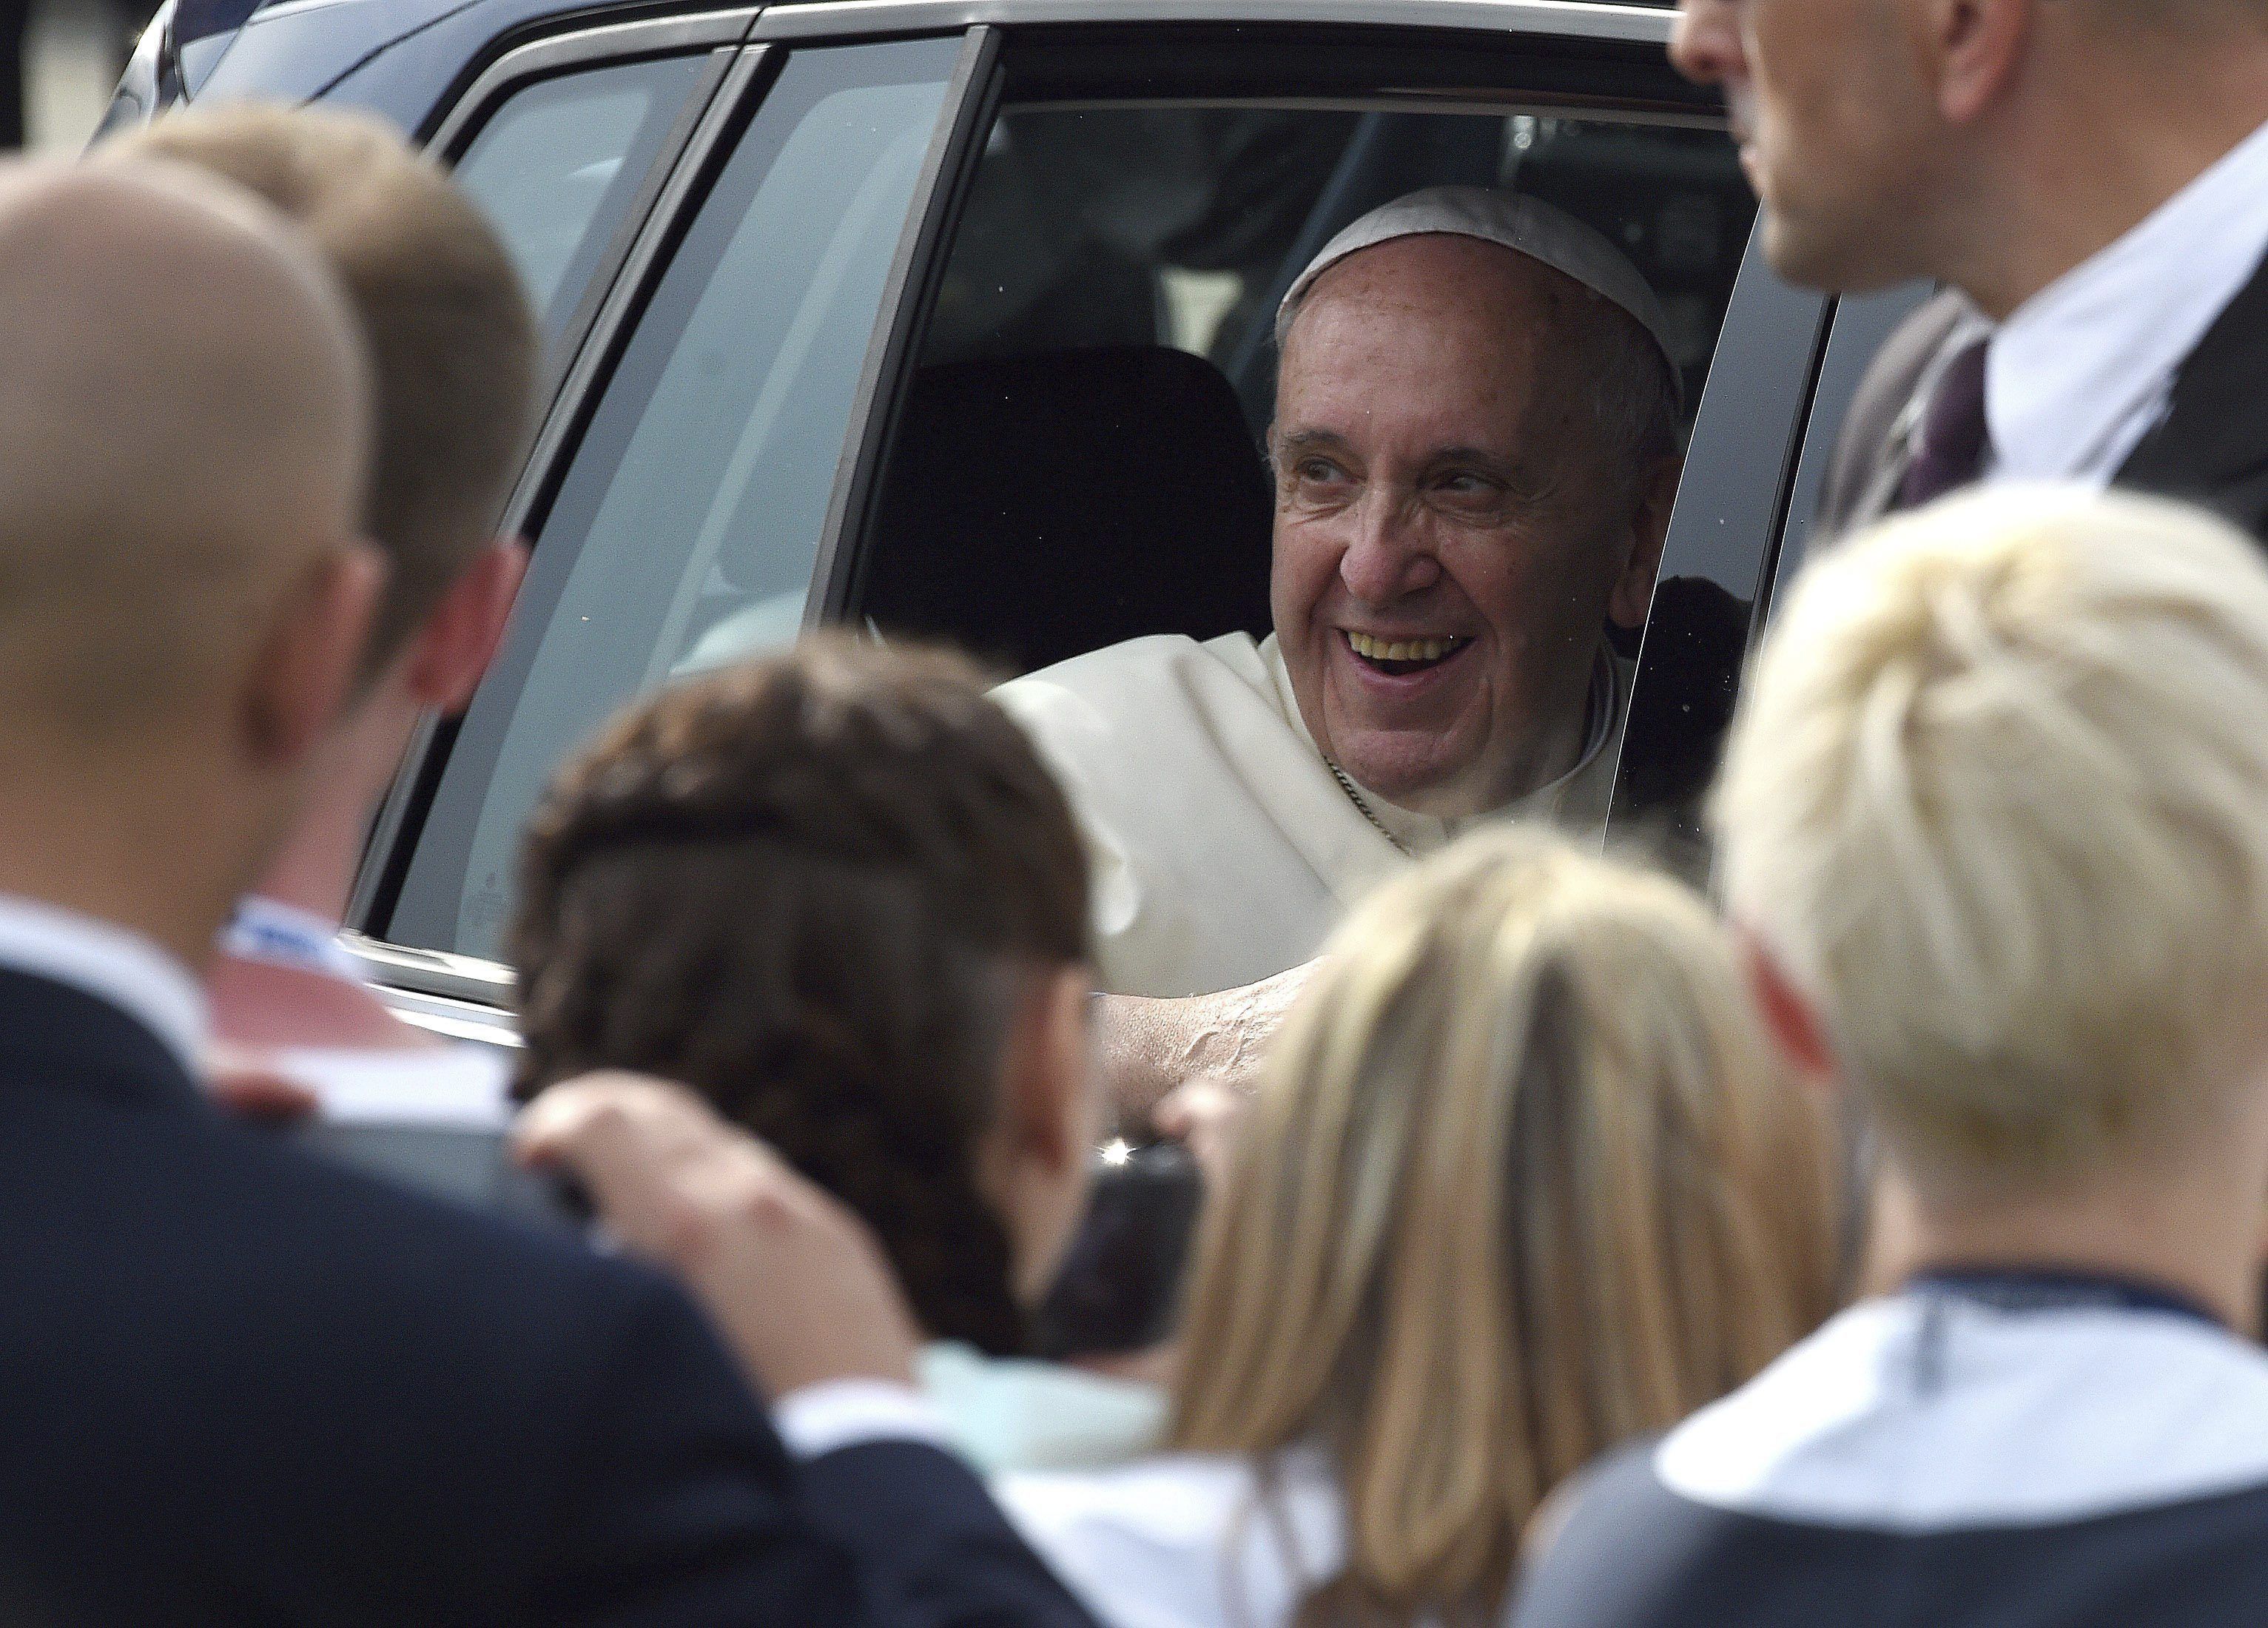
{"x": 1512, "y": 220}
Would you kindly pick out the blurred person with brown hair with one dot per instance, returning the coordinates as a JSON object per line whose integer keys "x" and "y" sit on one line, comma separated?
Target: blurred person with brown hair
{"x": 1524, "y": 1179}
{"x": 453, "y": 347}
{"x": 836, "y": 892}
{"x": 1995, "y": 821}
{"x": 238, "y": 1382}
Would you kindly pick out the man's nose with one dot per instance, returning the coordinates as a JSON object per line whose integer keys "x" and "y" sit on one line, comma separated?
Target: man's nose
{"x": 1388, "y": 558}
{"x": 1705, "y": 42}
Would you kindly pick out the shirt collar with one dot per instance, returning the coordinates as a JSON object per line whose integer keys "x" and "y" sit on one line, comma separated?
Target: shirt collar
{"x": 119, "y": 966}
{"x": 2058, "y": 1288}
{"x": 2085, "y": 357}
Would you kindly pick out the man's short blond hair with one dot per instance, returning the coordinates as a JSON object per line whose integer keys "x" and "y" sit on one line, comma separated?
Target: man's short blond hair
{"x": 1998, "y": 800}
{"x": 450, "y": 337}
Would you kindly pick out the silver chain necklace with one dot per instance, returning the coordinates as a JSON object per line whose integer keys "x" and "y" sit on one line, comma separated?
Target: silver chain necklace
{"x": 1364, "y": 809}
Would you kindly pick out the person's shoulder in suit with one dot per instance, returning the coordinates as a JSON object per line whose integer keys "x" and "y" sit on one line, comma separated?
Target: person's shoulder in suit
{"x": 244, "y": 1384}
{"x": 1870, "y": 426}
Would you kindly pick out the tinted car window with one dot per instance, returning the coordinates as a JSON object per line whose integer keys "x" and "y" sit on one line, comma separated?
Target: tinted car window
{"x": 559, "y": 163}
{"x": 688, "y": 523}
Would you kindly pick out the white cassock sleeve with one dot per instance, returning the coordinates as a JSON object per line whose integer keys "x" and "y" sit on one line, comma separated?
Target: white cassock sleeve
{"x": 1224, "y": 850}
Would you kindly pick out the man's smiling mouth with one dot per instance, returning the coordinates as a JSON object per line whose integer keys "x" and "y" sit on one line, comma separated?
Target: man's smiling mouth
{"x": 1401, "y": 656}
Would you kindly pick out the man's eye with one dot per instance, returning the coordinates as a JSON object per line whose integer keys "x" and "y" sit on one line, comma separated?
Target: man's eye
{"x": 1467, "y": 487}
{"x": 1318, "y": 470}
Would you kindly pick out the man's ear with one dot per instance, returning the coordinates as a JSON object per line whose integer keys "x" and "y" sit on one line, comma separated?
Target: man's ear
{"x": 1789, "y": 1017}
{"x": 1969, "y": 52}
{"x": 306, "y": 671}
{"x": 1633, "y": 590}
{"x": 450, "y": 652}
{"x": 1049, "y": 1109}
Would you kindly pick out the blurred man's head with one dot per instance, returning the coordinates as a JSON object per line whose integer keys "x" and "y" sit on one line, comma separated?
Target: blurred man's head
{"x": 182, "y": 595}
{"x": 1996, "y": 809}
{"x": 837, "y": 892}
{"x": 453, "y": 347}
{"x": 1886, "y": 137}
{"x": 1475, "y": 453}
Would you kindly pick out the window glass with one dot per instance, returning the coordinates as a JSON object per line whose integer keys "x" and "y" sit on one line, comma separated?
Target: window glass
{"x": 557, "y": 166}
{"x": 686, "y": 527}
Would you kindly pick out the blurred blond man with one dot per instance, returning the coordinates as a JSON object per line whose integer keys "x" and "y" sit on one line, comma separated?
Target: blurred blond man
{"x": 1996, "y": 817}
{"x": 453, "y": 347}
{"x": 239, "y": 1383}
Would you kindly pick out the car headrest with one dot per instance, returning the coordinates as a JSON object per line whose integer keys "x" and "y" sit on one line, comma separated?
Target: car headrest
{"x": 1035, "y": 507}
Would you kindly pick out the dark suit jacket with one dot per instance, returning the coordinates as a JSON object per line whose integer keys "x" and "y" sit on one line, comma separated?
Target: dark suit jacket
{"x": 239, "y": 1385}
{"x": 2211, "y": 447}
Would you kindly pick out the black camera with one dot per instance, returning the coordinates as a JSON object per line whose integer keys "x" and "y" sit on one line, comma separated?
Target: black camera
{"x": 1121, "y": 1285}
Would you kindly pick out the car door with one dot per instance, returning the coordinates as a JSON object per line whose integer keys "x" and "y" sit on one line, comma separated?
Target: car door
{"x": 741, "y": 365}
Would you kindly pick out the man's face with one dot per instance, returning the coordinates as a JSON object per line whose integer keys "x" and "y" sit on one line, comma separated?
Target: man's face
{"x": 1449, "y": 538}
{"x": 1838, "y": 134}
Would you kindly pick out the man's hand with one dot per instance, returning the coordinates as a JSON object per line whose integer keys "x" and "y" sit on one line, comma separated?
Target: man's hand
{"x": 1205, "y": 1117}
{"x": 1150, "y": 1049}
{"x": 796, "y": 1284}
{"x": 248, "y": 1086}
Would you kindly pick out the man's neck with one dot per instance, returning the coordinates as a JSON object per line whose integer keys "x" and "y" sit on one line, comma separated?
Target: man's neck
{"x": 314, "y": 871}
{"x": 163, "y": 873}
{"x": 260, "y": 1004}
{"x": 2084, "y": 187}
{"x": 2194, "y": 1236}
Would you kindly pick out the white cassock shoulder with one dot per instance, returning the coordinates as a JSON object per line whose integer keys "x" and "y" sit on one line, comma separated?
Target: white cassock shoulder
{"x": 1224, "y": 849}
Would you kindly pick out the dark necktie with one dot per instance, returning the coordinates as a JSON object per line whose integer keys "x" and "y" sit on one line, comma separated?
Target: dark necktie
{"x": 1949, "y": 446}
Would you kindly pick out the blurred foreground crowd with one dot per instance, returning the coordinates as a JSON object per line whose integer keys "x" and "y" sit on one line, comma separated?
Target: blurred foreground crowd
{"x": 1886, "y": 1248}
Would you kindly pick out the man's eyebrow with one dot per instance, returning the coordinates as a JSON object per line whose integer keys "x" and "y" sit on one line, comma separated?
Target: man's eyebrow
{"x": 1521, "y": 476}
{"x": 1481, "y": 455}
{"x": 1312, "y": 440}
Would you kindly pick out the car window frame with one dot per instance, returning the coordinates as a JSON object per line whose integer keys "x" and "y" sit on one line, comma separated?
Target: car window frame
{"x": 746, "y": 80}
{"x": 740, "y": 78}
{"x": 1750, "y": 434}
{"x": 624, "y": 279}
{"x": 715, "y": 36}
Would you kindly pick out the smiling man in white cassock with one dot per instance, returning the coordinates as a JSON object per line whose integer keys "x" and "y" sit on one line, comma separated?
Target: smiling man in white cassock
{"x": 1474, "y": 452}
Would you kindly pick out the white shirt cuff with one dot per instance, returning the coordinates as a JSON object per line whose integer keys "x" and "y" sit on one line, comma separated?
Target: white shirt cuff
{"x": 848, "y": 1413}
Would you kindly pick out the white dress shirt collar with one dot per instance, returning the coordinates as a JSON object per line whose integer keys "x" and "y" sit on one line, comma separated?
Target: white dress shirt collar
{"x": 2080, "y": 372}
{"x": 116, "y": 966}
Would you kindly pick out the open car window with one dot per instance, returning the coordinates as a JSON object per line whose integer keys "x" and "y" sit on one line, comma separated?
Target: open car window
{"x": 1070, "y": 453}
{"x": 1089, "y": 412}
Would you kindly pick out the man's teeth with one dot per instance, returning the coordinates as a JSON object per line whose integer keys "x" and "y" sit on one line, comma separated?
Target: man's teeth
{"x": 1402, "y": 650}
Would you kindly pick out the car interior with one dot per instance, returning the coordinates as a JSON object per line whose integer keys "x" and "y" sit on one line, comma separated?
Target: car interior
{"x": 1074, "y": 456}
{"x": 1088, "y": 417}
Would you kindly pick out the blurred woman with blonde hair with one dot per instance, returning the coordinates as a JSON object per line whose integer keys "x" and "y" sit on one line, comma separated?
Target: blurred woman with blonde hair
{"x": 1524, "y": 1180}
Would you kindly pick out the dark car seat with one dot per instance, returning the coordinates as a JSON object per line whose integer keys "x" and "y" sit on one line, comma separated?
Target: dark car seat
{"x": 1035, "y": 507}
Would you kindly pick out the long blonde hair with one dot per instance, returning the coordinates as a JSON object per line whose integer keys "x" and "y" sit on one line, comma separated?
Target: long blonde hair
{"x": 1523, "y": 1180}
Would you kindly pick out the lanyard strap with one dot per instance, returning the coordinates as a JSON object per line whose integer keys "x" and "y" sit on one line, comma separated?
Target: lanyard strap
{"x": 2021, "y": 1289}
{"x": 283, "y": 935}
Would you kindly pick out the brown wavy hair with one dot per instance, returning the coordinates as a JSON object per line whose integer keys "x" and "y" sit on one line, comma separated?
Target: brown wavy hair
{"x": 812, "y": 888}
